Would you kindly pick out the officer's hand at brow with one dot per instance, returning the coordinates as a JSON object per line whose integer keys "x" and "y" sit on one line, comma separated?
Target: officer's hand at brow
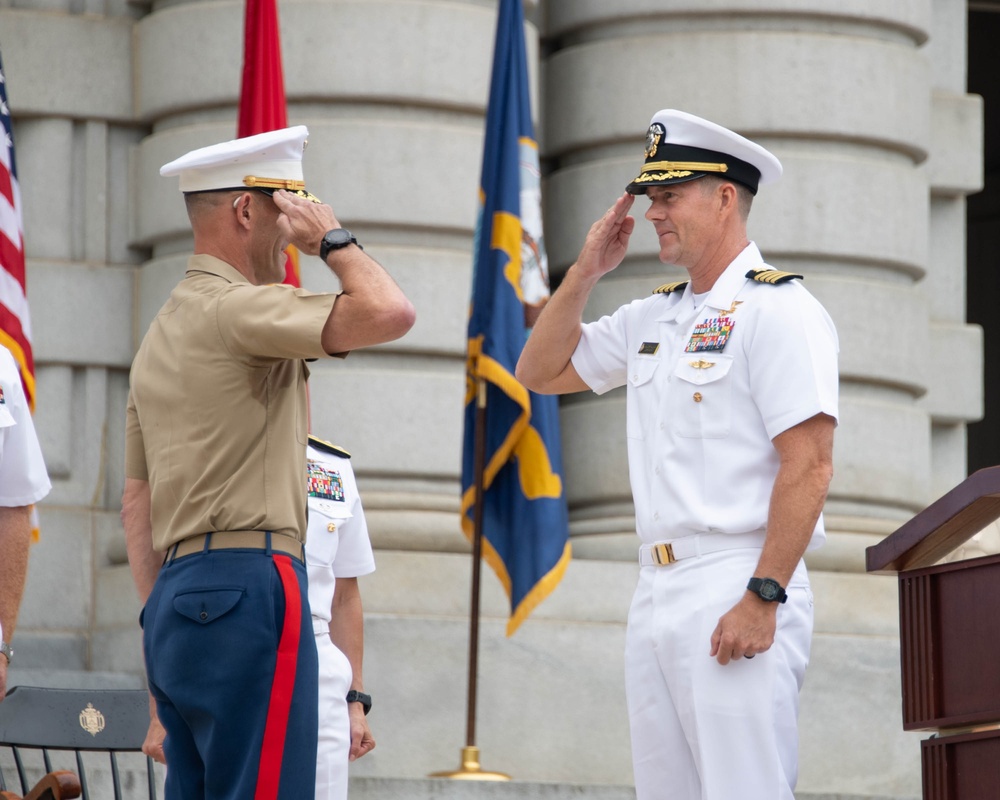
{"x": 607, "y": 241}
{"x": 744, "y": 631}
{"x": 304, "y": 222}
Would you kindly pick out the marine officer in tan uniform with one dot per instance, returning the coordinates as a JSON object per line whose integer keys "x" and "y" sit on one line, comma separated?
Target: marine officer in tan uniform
{"x": 215, "y": 448}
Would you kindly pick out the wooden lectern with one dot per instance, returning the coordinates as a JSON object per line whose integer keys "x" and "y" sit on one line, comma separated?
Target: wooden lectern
{"x": 949, "y": 635}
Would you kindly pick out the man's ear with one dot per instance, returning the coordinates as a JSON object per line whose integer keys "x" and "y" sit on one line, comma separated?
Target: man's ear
{"x": 730, "y": 199}
{"x": 241, "y": 205}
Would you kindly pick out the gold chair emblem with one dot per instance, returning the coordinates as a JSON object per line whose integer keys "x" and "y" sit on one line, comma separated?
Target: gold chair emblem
{"x": 91, "y": 720}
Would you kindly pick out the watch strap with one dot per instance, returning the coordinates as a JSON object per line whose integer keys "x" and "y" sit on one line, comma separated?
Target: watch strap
{"x": 7, "y": 651}
{"x": 355, "y": 696}
{"x": 325, "y": 246}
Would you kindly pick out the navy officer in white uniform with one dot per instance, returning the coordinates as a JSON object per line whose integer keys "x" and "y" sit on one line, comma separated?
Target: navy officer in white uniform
{"x": 338, "y": 551}
{"x": 23, "y": 482}
{"x": 731, "y": 404}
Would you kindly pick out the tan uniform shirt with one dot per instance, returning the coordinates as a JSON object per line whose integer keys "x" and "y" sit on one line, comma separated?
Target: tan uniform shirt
{"x": 216, "y": 418}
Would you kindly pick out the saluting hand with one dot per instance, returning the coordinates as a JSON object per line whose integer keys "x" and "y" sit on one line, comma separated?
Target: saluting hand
{"x": 607, "y": 241}
{"x": 304, "y": 222}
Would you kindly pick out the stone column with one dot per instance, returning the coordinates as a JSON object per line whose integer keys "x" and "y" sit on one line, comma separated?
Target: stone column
{"x": 878, "y": 157}
{"x": 68, "y": 69}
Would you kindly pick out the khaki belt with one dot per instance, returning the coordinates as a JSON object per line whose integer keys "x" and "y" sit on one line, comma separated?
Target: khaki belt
{"x": 663, "y": 553}
{"x": 232, "y": 540}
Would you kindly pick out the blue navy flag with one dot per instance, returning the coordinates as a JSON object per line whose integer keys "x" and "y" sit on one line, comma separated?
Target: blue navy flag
{"x": 525, "y": 523}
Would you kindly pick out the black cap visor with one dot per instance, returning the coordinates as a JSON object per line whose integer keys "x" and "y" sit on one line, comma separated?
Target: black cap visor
{"x": 679, "y": 164}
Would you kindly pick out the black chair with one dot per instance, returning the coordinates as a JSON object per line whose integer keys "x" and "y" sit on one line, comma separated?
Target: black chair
{"x": 111, "y": 721}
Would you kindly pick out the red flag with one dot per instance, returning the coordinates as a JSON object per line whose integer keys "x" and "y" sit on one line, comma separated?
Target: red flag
{"x": 15, "y": 323}
{"x": 262, "y": 97}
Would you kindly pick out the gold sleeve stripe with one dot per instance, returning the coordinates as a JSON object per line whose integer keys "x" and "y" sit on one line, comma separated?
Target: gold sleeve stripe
{"x": 669, "y": 288}
{"x": 329, "y": 447}
{"x": 772, "y": 276}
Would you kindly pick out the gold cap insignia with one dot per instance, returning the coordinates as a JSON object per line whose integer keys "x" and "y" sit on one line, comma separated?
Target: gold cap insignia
{"x": 654, "y": 136}
{"x": 289, "y": 184}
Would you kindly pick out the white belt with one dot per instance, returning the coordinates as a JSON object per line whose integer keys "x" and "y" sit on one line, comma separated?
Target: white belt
{"x": 321, "y": 625}
{"x": 699, "y": 544}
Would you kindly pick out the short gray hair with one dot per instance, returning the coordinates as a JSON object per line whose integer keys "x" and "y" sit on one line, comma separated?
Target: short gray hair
{"x": 744, "y": 197}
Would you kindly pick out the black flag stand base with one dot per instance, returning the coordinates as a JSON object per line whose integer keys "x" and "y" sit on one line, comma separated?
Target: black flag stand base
{"x": 470, "y": 769}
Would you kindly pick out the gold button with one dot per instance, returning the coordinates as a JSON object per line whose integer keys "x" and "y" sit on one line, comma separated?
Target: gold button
{"x": 331, "y": 527}
{"x": 697, "y": 397}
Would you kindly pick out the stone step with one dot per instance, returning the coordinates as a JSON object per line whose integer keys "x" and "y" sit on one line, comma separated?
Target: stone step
{"x": 444, "y": 789}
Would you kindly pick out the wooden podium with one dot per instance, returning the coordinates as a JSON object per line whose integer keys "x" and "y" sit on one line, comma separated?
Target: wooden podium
{"x": 949, "y": 635}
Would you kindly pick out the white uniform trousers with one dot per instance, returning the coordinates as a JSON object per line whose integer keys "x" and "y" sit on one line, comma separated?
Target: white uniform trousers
{"x": 334, "y": 743}
{"x": 700, "y": 729}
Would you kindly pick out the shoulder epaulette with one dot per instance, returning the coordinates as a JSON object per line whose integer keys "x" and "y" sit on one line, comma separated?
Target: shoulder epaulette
{"x": 670, "y": 288}
{"x": 326, "y": 447}
{"x": 772, "y": 276}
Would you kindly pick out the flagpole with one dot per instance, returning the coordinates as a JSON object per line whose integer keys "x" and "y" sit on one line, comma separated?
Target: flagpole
{"x": 479, "y": 468}
{"x": 470, "y": 768}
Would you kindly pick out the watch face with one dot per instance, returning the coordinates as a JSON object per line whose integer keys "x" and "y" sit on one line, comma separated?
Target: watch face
{"x": 769, "y": 590}
{"x": 338, "y": 238}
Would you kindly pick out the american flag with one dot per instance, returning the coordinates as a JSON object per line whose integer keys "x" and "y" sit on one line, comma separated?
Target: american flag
{"x": 15, "y": 324}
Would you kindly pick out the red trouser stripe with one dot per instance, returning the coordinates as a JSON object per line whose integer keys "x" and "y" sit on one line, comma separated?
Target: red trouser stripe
{"x": 269, "y": 772}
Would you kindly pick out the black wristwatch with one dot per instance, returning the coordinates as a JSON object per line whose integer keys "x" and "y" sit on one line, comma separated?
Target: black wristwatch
{"x": 335, "y": 239}
{"x": 360, "y": 697}
{"x": 768, "y": 590}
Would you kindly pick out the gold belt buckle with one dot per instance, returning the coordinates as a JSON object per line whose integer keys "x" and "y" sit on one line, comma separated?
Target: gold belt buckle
{"x": 663, "y": 554}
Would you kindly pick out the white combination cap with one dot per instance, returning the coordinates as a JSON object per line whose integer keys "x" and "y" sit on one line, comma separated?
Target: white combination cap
{"x": 682, "y": 147}
{"x": 266, "y": 161}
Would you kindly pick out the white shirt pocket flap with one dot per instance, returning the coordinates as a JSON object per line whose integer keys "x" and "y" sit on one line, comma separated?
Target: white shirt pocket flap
{"x": 641, "y": 370}
{"x": 702, "y": 368}
{"x": 326, "y": 518}
{"x": 329, "y": 510}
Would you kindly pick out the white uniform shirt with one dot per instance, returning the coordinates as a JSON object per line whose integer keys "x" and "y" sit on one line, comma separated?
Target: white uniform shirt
{"x": 700, "y": 423}
{"x": 337, "y": 544}
{"x": 23, "y": 479}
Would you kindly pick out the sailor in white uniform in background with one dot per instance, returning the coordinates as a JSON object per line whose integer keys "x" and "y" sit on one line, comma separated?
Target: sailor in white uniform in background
{"x": 337, "y": 552}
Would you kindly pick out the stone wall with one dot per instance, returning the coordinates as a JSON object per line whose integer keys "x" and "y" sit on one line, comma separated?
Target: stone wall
{"x": 863, "y": 100}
